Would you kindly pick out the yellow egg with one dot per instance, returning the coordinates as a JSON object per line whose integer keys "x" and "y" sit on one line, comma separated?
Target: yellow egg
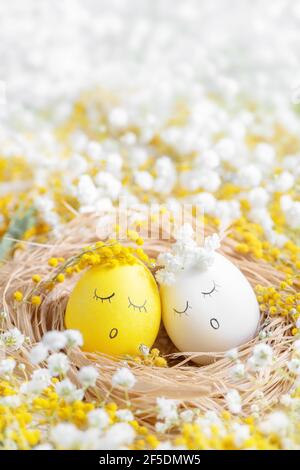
{"x": 115, "y": 308}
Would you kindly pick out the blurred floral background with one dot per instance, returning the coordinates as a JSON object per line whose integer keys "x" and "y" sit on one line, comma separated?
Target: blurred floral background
{"x": 162, "y": 101}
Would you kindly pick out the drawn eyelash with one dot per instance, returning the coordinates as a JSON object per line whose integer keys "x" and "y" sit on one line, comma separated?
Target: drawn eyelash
{"x": 214, "y": 289}
{"x": 98, "y": 297}
{"x": 137, "y": 307}
{"x": 183, "y": 311}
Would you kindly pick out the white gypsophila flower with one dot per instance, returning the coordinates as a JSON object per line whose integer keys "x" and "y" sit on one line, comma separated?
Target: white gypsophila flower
{"x": 54, "y": 340}
{"x": 162, "y": 426}
{"x": 212, "y": 418}
{"x": 204, "y": 201}
{"x": 144, "y": 180}
{"x": 262, "y": 357}
{"x": 92, "y": 439}
{"x": 38, "y": 353}
{"x": 118, "y": 436}
{"x": 40, "y": 379}
{"x": 232, "y": 354}
{"x": 237, "y": 371}
{"x": 226, "y": 148}
{"x": 255, "y": 409}
{"x": 241, "y": 433}
{"x": 203, "y": 258}
{"x": 124, "y": 415}
{"x": 287, "y": 401}
{"x": 123, "y": 378}
{"x": 227, "y": 212}
{"x": 11, "y": 401}
{"x": 276, "y": 423}
{"x": 186, "y": 254}
{"x": 7, "y": 366}
{"x": 118, "y": 118}
{"x": 108, "y": 185}
{"x": 77, "y": 165}
{"x": 294, "y": 366}
{"x": 209, "y": 159}
{"x": 74, "y": 338}
{"x": 144, "y": 350}
{"x": 68, "y": 391}
{"x": 212, "y": 242}
{"x": 264, "y": 154}
{"x": 258, "y": 197}
{"x": 12, "y": 339}
{"x": 172, "y": 263}
{"x": 292, "y": 215}
{"x": 87, "y": 376}
{"x": 284, "y": 182}
{"x": 3, "y": 315}
{"x": 249, "y": 176}
{"x": 86, "y": 190}
{"x": 98, "y": 418}
{"x": 167, "y": 409}
{"x": 114, "y": 162}
{"x": 58, "y": 364}
{"x": 233, "y": 401}
{"x": 165, "y": 277}
{"x": 187, "y": 416}
{"x": 41, "y": 374}
{"x": 65, "y": 436}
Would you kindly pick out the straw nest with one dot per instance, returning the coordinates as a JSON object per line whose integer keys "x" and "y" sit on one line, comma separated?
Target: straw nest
{"x": 203, "y": 387}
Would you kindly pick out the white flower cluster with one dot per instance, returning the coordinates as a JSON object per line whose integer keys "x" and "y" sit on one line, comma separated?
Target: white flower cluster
{"x": 58, "y": 365}
{"x": 12, "y": 339}
{"x": 53, "y": 341}
{"x": 123, "y": 378}
{"x": 261, "y": 359}
{"x": 97, "y": 437}
{"x": 167, "y": 412}
{"x": 186, "y": 254}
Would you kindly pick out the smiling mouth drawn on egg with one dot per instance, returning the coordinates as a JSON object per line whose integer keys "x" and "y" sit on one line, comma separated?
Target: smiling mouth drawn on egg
{"x": 214, "y": 324}
{"x": 113, "y": 333}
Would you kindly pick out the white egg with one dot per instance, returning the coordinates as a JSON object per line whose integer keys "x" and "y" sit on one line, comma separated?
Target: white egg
{"x": 211, "y": 310}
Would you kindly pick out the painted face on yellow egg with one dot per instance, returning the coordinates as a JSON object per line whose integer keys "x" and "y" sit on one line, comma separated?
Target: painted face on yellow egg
{"x": 115, "y": 308}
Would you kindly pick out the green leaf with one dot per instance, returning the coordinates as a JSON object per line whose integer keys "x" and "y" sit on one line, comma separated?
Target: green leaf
{"x": 19, "y": 224}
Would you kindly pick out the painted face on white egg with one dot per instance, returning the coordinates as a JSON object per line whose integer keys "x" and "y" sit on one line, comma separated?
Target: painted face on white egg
{"x": 211, "y": 310}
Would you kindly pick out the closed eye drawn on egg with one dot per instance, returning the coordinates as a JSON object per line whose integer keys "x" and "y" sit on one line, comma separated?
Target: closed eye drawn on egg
{"x": 98, "y": 297}
{"x": 209, "y": 293}
{"x": 137, "y": 307}
{"x": 187, "y": 306}
{"x": 214, "y": 324}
